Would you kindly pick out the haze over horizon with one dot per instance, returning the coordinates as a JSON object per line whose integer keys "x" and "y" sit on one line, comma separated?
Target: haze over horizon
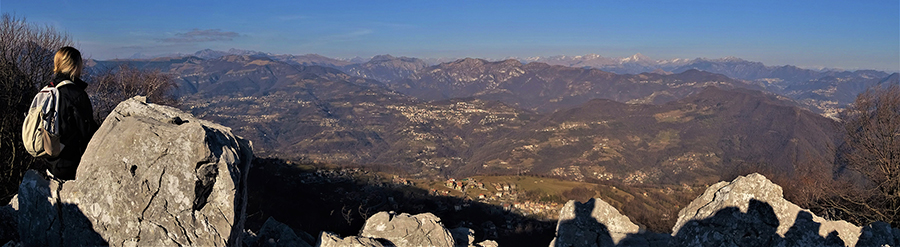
{"x": 809, "y": 34}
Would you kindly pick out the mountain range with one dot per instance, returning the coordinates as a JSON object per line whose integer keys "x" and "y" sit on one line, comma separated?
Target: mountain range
{"x": 787, "y": 80}
{"x": 824, "y": 91}
{"x": 473, "y": 116}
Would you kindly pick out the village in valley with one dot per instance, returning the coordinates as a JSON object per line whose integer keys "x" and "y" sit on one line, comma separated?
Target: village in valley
{"x": 506, "y": 194}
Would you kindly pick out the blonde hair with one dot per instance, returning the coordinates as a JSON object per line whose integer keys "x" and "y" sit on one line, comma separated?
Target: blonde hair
{"x": 68, "y": 62}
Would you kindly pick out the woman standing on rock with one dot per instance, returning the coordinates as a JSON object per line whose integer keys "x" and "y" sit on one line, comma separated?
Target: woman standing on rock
{"x": 76, "y": 116}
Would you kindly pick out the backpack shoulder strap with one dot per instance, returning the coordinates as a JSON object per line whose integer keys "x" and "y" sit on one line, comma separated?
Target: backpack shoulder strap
{"x": 63, "y": 83}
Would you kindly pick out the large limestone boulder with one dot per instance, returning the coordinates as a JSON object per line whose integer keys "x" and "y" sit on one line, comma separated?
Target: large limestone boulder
{"x": 751, "y": 211}
{"x": 151, "y": 176}
{"x": 408, "y": 230}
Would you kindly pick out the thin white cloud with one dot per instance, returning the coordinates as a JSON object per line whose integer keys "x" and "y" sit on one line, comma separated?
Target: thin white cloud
{"x": 344, "y": 37}
{"x": 197, "y": 35}
{"x": 291, "y": 17}
{"x": 139, "y": 34}
{"x": 393, "y": 25}
{"x": 358, "y": 33}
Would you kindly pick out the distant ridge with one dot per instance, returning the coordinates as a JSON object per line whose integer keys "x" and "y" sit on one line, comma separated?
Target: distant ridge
{"x": 543, "y": 87}
{"x": 824, "y": 91}
{"x": 386, "y": 68}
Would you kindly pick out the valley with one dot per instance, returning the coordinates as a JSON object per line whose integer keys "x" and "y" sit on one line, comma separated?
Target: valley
{"x": 522, "y": 138}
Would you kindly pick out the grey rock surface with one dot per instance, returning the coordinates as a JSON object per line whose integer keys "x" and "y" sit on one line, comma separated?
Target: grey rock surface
{"x": 43, "y": 220}
{"x": 391, "y": 229}
{"x": 327, "y": 239}
{"x": 37, "y": 214}
{"x": 151, "y": 176}
{"x": 408, "y": 230}
{"x": 593, "y": 223}
{"x": 277, "y": 234}
{"x": 751, "y": 211}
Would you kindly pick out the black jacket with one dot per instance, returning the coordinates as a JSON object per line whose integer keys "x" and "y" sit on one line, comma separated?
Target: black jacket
{"x": 76, "y": 126}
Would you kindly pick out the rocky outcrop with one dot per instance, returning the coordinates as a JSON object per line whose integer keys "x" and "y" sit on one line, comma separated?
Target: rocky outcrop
{"x": 749, "y": 211}
{"x": 151, "y": 176}
{"x": 408, "y": 230}
{"x": 752, "y": 209}
{"x": 593, "y": 223}
{"x": 277, "y": 234}
{"x": 596, "y": 223}
{"x": 391, "y": 229}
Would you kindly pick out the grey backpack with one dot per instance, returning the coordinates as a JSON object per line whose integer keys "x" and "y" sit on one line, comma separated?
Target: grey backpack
{"x": 40, "y": 132}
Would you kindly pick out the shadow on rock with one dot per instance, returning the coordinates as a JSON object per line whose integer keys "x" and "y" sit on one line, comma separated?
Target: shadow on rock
{"x": 727, "y": 227}
{"x": 749, "y": 211}
{"x": 805, "y": 231}
{"x": 583, "y": 229}
{"x": 44, "y": 221}
{"x": 757, "y": 227}
{"x": 731, "y": 227}
{"x": 596, "y": 223}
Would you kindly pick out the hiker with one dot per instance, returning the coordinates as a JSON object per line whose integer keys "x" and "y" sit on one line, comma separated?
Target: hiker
{"x": 76, "y": 116}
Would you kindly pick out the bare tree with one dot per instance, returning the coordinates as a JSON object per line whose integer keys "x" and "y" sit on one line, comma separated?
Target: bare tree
{"x": 26, "y": 63}
{"x": 109, "y": 86}
{"x": 347, "y": 213}
{"x": 871, "y": 151}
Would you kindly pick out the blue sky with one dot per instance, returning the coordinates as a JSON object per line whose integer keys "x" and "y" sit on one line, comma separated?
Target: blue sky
{"x": 835, "y": 34}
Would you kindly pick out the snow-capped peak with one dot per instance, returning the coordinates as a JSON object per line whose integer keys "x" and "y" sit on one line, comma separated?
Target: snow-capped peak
{"x": 635, "y": 58}
{"x": 589, "y": 56}
{"x": 732, "y": 59}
